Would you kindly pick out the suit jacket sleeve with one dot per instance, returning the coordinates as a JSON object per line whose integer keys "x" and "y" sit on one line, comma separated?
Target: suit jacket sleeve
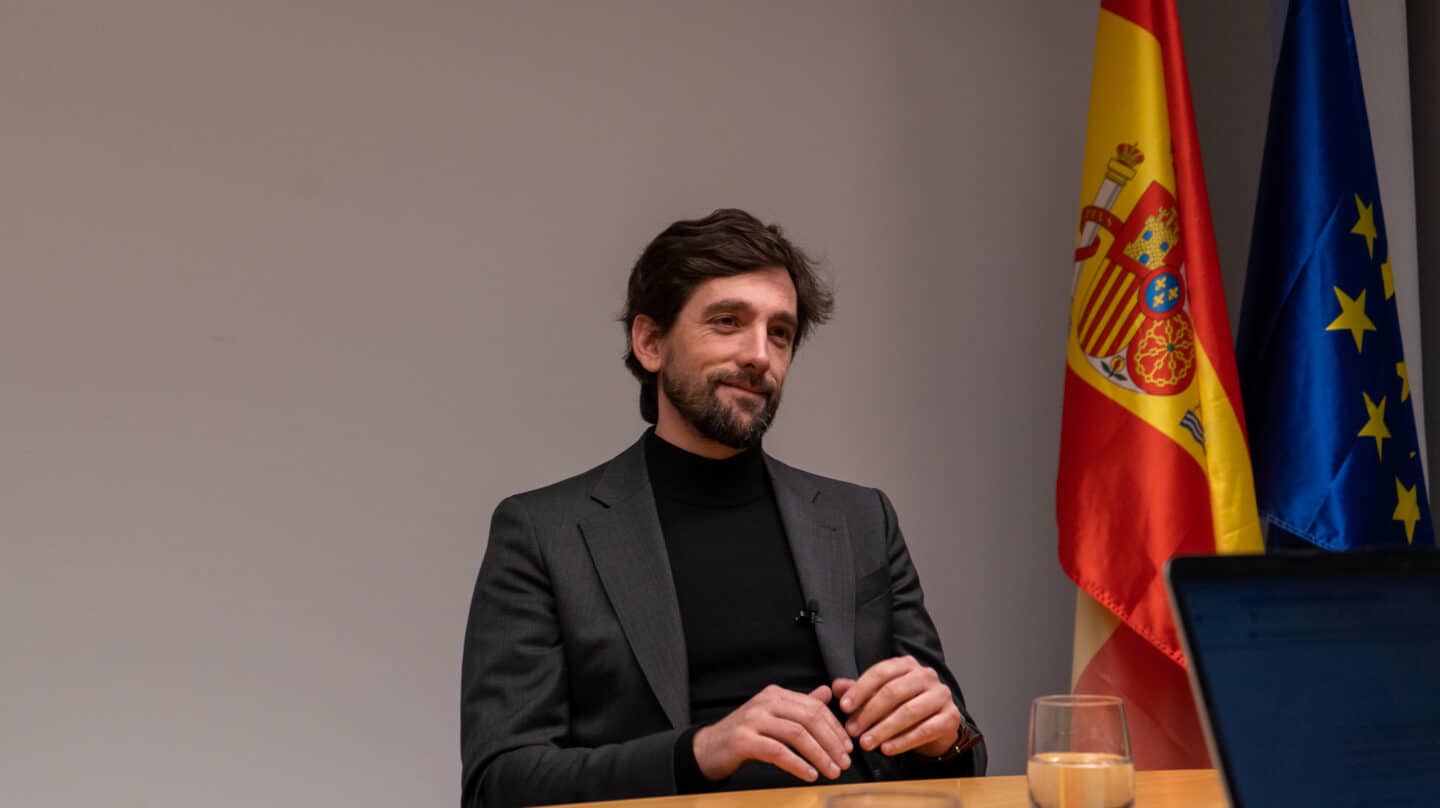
{"x": 914, "y": 634}
{"x": 514, "y": 715}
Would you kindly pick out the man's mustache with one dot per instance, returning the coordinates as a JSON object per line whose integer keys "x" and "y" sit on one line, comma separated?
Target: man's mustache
{"x": 759, "y": 384}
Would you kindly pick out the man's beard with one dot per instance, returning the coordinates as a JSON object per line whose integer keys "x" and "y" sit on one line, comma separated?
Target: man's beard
{"x": 700, "y": 404}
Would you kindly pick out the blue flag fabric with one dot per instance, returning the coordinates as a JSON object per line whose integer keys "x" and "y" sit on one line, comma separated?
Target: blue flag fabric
{"x": 1322, "y": 369}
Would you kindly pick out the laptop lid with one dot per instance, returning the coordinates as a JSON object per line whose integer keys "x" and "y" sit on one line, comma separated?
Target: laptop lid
{"x": 1317, "y": 676}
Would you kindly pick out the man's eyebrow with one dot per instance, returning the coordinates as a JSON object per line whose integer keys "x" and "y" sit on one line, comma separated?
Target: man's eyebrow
{"x": 736, "y": 304}
{"x": 729, "y": 304}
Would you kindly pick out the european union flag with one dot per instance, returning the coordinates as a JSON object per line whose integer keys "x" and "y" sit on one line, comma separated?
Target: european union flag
{"x": 1322, "y": 368}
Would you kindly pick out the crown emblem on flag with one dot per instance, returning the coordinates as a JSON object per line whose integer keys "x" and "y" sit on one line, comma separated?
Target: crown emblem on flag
{"x": 1129, "y": 154}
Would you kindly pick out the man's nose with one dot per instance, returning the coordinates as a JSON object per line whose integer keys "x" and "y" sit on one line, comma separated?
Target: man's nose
{"x": 755, "y": 350}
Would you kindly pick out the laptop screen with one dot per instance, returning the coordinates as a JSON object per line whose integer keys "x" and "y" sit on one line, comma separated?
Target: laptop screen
{"x": 1320, "y": 676}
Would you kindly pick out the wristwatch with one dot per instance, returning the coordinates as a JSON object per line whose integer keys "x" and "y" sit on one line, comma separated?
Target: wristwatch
{"x": 965, "y": 740}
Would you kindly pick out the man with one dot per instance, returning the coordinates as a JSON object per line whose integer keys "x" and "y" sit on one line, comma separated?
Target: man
{"x": 695, "y": 615}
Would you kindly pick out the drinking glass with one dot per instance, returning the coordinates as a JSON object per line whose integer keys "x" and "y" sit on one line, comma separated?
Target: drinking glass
{"x": 1080, "y": 753}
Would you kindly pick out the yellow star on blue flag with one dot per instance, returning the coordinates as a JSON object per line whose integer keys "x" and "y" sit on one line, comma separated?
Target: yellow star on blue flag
{"x": 1352, "y": 317}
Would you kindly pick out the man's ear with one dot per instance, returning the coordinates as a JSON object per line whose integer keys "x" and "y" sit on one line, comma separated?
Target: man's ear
{"x": 646, "y": 341}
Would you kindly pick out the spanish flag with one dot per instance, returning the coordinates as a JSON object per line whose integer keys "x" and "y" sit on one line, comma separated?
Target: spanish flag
{"x": 1153, "y": 456}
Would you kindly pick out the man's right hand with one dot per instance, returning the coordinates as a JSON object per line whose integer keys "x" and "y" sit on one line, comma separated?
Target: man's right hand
{"x": 794, "y": 731}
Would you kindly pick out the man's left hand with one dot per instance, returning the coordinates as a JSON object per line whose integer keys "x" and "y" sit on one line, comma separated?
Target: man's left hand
{"x": 899, "y": 705}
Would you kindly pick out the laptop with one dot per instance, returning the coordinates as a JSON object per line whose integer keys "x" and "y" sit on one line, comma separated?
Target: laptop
{"x": 1317, "y": 676}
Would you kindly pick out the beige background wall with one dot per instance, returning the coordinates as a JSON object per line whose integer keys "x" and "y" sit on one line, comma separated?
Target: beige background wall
{"x": 291, "y": 294}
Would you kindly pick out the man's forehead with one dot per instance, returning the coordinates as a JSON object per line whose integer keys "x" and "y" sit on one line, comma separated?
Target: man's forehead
{"x": 769, "y": 289}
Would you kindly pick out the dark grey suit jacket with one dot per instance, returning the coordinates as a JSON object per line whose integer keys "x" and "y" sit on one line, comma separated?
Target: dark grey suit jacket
{"x": 574, "y": 684}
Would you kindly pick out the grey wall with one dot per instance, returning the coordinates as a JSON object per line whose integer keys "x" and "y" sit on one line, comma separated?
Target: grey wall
{"x": 1423, "y": 30}
{"x": 1228, "y": 46}
{"x": 292, "y": 294}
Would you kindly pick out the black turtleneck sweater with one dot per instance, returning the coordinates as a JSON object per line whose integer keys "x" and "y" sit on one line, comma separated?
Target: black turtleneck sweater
{"x": 738, "y": 590}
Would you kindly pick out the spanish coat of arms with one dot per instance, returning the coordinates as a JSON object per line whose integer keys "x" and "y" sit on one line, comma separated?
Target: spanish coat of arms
{"x": 1131, "y": 314}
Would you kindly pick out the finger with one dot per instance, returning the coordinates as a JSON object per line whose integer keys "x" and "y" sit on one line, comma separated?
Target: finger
{"x": 873, "y": 679}
{"x": 799, "y": 738}
{"x": 891, "y": 695}
{"x": 823, "y": 694}
{"x": 769, "y": 750}
{"x": 909, "y": 714}
{"x": 940, "y": 725}
{"x": 819, "y": 722}
{"x": 842, "y": 686}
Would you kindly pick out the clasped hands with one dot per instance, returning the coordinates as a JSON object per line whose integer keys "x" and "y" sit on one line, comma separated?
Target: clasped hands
{"x": 898, "y": 705}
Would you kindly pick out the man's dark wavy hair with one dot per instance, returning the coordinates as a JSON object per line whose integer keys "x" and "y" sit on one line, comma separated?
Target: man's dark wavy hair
{"x": 688, "y": 253}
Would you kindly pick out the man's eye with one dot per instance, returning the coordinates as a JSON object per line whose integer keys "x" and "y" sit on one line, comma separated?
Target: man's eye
{"x": 725, "y": 322}
{"x": 782, "y": 336}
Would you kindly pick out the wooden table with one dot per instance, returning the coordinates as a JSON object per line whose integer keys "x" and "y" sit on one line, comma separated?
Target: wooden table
{"x": 1186, "y": 788}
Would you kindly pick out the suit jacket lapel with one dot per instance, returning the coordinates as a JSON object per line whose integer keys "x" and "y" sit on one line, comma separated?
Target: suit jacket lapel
{"x": 629, "y": 553}
{"x": 820, "y": 545}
